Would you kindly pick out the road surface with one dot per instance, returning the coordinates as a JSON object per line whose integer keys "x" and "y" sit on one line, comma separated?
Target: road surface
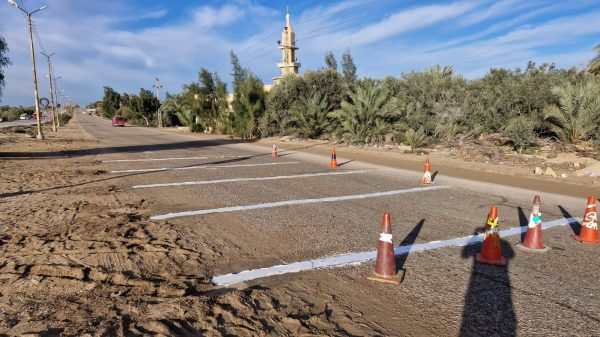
{"x": 264, "y": 211}
{"x": 17, "y": 123}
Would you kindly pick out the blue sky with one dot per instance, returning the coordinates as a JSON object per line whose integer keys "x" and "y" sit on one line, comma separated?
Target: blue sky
{"x": 126, "y": 44}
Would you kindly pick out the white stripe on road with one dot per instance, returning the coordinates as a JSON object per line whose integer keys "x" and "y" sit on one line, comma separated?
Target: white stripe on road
{"x": 356, "y": 258}
{"x": 294, "y": 202}
{"x": 202, "y": 167}
{"x": 166, "y": 159}
{"x": 207, "y": 182}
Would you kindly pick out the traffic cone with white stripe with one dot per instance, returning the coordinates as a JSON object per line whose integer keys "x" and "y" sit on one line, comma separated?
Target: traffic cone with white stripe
{"x": 427, "y": 175}
{"x": 491, "y": 252}
{"x": 333, "y": 162}
{"x": 589, "y": 226}
{"x": 533, "y": 238}
{"x": 274, "y": 152}
{"x": 385, "y": 264}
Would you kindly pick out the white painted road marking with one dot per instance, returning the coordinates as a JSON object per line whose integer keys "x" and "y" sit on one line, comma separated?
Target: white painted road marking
{"x": 167, "y": 159}
{"x": 294, "y": 202}
{"x": 195, "y": 167}
{"x": 207, "y": 182}
{"x": 357, "y": 258}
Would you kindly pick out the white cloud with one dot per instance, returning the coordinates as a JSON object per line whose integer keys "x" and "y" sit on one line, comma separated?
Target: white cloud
{"x": 395, "y": 24}
{"x": 94, "y": 48}
{"x": 497, "y": 8}
{"x": 91, "y": 52}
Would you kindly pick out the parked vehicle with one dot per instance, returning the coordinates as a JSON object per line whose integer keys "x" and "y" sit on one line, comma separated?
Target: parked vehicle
{"x": 118, "y": 121}
{"x": 24, "y": 117}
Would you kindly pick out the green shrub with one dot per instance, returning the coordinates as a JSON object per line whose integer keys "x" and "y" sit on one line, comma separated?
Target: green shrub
{"x": 195, "y": 127}
{"x": 366, "y": 115}
{"x": 31, "y": 132}
{"x": 64, "y": 118}
{"x": 415, "y": 139}
{"x": 521, "y": 134}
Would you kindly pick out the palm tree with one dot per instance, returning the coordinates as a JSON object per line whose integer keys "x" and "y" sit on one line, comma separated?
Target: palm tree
{"x": 577, "y": 113}
{"x": 594, "y": 65}
{"x": 310, "y": 116}
{"x": 186, "y": 116}
{"x": 415, "y": 138}
{"x": 364, "y": 116}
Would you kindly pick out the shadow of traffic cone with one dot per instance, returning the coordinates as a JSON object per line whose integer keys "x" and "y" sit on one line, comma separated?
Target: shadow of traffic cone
{"x": 385, "y": 264}
{"x": 274, "y": 152}
{"x": 427, "y": 175}
{"x": 533, "y": 239}
{"x": 333, "y": 162}
{"x": 589, "y": 226}
{"x": 491, "y": 252}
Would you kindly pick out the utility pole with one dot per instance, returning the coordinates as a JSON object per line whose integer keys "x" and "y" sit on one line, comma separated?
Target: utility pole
{"x": 157, "y": 86}
{"x": 62, "y": 100}
{"x": 40, "y": 134}
{"x": 56, "y": 98}
{"x": 54, "y": 118}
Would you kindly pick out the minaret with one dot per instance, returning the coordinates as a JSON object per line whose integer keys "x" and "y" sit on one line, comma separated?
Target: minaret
{"x": 287, "y": 64}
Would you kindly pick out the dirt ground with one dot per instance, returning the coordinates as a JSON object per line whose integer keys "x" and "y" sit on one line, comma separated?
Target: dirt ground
{"x": 80, "y": 257}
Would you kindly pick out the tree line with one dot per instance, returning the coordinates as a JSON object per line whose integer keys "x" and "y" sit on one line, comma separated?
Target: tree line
{"x": 417, "y": 108}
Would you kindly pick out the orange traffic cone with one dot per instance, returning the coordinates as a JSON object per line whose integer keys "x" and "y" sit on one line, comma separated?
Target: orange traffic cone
{"x": 333, "y": 162}
{"x": 427, "y": 175}
{"x": 491, "y": 252}
{"x": 385, "y": 264}
{"x": 274, "y": 152}
{"x": 589, "y": 226}
{"x": 533, "y": 239}
{"x": 492, "y": 217}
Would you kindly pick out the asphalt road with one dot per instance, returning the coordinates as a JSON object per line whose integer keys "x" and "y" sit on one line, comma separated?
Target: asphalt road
{"x": 443, "y": 293}
{"x": 17, "y": 122}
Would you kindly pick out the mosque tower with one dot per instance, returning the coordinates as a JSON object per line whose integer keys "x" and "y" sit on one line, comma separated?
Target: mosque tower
{"x": 287, "y": 64}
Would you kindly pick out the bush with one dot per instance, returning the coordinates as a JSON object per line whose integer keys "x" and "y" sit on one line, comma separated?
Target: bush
{"x": 521, "y": 134}
{"x": 415, "y": 139}
{"x": 64, "y": 118}
{"x": 12, "y": 113}
{"x": 195, "y": 127}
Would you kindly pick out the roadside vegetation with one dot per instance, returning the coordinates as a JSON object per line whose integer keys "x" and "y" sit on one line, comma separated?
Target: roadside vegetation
{"x": 10, "y": 113}
{"x": 417, "y": 109}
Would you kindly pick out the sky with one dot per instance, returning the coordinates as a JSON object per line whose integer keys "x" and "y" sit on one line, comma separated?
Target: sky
{"x": 126, "y": 44}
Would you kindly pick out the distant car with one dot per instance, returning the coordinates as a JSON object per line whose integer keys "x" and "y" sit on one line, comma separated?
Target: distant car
{"x": 118, "y": 121}
{"x": 24, "y": 117}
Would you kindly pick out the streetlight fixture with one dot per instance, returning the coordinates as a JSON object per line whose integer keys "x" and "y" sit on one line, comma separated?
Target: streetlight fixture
{"x": 38, "y": 118}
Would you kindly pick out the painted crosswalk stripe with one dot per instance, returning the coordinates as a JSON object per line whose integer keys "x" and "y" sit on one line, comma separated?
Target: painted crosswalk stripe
{"x": 233, "y": 180}
{"x": 196, "y": 167}
{"x": 295, "y": 202}
{"x": 355, "y": 258}
{"x": 169, "y": 159}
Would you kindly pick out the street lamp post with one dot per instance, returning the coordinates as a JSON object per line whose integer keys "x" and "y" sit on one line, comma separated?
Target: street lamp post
{"x": 56, "y": 98}
{"x": 38, "y": 118}
{"x": 157, "y": 86}
{"x": 54, "y": 118}
{"x": 62, "y": 100}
